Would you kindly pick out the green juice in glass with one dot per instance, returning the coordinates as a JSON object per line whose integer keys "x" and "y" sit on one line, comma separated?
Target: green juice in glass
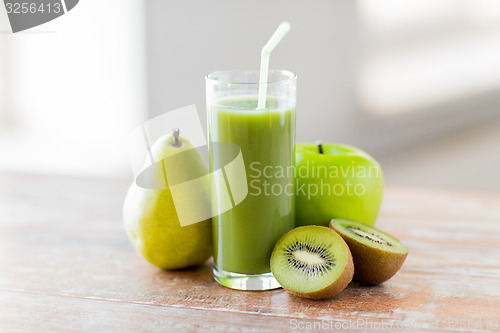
{"x": 244, "y": 236}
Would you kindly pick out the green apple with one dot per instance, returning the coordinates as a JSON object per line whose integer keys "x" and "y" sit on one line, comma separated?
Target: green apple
{"x": 336, "y": 181}
{"x": 151, "y": 220}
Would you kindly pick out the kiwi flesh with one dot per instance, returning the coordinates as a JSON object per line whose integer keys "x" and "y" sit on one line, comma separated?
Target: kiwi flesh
{"x": 377, "y": 255}
{"x": 312, "y": 262}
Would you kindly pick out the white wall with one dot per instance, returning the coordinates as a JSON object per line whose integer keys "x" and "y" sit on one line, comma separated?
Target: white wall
{"x": 399, "y": 88}
{"x": 114, "y": 57}
{"x": 72, "y": 89}
{"x": 188, "y": 39}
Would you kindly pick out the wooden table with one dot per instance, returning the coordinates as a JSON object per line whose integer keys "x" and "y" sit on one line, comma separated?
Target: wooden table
{"x": 66, "y": 264}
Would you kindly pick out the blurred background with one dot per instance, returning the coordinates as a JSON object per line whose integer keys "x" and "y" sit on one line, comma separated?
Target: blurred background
{"x": 414, "y": 83}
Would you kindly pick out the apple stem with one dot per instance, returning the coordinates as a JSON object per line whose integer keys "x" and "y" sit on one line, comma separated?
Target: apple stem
{"x": 175, "y": 134}
{"x": 320, "y": 147}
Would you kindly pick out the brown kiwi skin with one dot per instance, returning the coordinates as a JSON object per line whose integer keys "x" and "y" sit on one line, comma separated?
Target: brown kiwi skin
{"x": 336, "y": 287}
{"x": 372, "y": 265}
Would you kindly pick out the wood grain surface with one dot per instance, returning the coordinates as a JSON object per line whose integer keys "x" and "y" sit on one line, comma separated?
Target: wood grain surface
{"x": 66, "y": 265}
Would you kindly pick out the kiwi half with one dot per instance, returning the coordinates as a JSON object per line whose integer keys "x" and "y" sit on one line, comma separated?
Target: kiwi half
{"x": 312, "y": 262}
{"x": 377, "y": 255}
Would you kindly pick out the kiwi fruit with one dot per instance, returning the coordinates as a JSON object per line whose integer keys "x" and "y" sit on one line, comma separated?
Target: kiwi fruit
{"x": 377, "y": 255}
{"x": 312, "y": 262}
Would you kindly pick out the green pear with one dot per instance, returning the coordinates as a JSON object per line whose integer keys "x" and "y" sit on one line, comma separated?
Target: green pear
{"x": 150, "y": 217}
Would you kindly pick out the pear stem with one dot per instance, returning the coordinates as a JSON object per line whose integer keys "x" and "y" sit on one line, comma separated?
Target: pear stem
{"x": 175, "y": 134}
